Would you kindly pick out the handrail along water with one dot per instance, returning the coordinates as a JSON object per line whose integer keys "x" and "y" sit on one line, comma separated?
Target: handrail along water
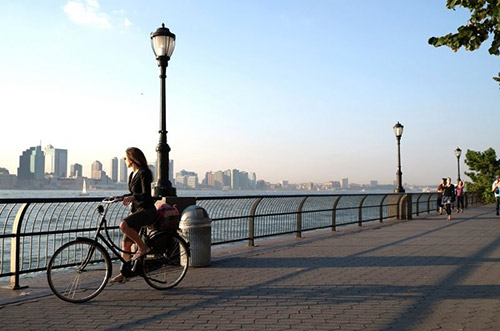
{"x": 31, "y": 229}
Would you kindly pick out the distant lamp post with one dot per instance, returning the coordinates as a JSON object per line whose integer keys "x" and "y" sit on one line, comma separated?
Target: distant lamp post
{"x": 398, "y": 131}
{"x": 458, "y": 152}
{"x": 163, "y": 44}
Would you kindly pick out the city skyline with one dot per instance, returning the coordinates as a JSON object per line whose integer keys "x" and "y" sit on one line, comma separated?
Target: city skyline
{"x": 295, "y": 90}
{"x": 116, "y": 171}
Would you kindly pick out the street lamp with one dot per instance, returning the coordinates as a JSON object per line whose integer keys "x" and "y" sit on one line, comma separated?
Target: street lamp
{"x": 163, "y": 44}
{"x": 458, "y": 152}
{"x": 398, "y": 131}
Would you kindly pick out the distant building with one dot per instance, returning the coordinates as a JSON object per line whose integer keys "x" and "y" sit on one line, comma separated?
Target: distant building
{"x": 186, "y": 179}
{"x": 252, "y": 179}
{"x": 153, "y": 172}
{"x": 345, "y": 183}
{"x": 31, "y": 164}
{"x": 123, "y": 172}
{"x": 7, "y": 181}
{"x": 56, "y": 161}
{"x": 235, "y": 179}
{"x": 374, "y": 183}
{"x": 96, "y": 170}
{"x": 76, "y": 171}
{"x": 170, "y": 171}
{"x": 114, "y": 169}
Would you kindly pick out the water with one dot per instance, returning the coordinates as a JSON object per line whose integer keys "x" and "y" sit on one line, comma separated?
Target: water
{"x": 29, "y": 194}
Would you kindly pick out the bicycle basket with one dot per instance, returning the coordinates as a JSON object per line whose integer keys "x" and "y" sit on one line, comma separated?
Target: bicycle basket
{"x": 167, "y": 217}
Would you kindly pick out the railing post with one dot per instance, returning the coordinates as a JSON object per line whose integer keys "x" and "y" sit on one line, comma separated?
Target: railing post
{"x": 399, "y": 206}
{"x": 429, "y": 204}
{"x": 405, "y": 207}
{"x": 360, "y": 211}
{"x": 382, "y": 209}
{"x": 299, "y": 218}
{"x": 251, "y": 224}
{"x": 15, "y": 247}
{"x": 334, "y": 213}
{"x": 418, "y": 201}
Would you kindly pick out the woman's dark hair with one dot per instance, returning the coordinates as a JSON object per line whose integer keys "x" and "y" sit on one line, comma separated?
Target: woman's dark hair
{"x": 136, "y": 156}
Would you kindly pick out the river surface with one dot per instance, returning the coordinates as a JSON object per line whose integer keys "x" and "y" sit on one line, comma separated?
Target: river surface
{"x": 29, "y": 194}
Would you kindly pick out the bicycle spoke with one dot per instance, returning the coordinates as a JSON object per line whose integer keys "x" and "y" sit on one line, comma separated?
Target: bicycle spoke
{"x": 78, "y": 271}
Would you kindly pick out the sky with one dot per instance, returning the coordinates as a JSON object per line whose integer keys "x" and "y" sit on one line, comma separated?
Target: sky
{"x": 296, "y": 90}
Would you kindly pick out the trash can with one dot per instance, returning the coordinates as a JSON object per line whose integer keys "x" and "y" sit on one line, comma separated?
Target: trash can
{"x": 196, "y": 228}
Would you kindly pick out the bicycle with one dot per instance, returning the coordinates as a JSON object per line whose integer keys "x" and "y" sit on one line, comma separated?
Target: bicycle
{"x": 80, "y": 269}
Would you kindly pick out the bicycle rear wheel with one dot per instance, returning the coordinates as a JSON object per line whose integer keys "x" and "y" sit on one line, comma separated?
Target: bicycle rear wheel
{"x": 167, "y": 264}
{"x": 78, "y": 271}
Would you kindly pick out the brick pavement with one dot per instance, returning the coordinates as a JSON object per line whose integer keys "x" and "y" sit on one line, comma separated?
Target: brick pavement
{"x": 424, "y": 274}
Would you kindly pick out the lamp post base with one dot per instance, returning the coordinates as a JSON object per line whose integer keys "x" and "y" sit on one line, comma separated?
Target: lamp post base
{"x": 164, "y": 192}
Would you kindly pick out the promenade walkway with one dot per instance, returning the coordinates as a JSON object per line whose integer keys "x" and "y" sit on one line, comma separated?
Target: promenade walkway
{"x": 423, "y": 274}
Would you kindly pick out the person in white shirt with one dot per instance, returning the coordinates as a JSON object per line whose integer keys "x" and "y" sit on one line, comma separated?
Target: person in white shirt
{"x": 495, "y": 187}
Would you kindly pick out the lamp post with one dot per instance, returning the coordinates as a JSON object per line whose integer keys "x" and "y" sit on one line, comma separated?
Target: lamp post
{"x": 458, "y": 152}
{"x": 398, "y": 131}
{"x": 163, "y": 44}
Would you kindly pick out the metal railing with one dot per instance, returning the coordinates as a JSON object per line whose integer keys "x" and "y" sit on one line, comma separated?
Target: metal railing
{"x": 32, "y": 229}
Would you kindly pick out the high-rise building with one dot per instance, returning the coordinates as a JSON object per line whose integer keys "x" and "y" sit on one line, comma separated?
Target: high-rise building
{"x": 56, "y": 161}
{"x": 345, "y": 183}
{"x": 114, "y": 169}
{"x": 123, "y": 173}
{"x": 170, "y": 172}
{"x": 220, "y": 180}
{"x": 252, "y": 177}
{"x": 23, "y": 171}
{"x": 32, "y": 164}
{"x": 153, "y": 172}
{"x": 235, "y": 179}
{"x": 186, "y": 179}
{"x": 76, "y": 170}
{"x": 96, "y": 172}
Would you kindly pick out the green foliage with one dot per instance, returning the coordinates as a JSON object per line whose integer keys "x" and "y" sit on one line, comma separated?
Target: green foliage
{"x": 484, "y": 21}
{"x": 483, "y": 166}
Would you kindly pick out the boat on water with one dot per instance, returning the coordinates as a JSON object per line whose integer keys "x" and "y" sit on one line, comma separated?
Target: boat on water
{"x": 84, "y": 192}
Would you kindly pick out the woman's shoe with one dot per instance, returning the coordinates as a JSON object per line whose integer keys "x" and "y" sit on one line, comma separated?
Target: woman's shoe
{"x": 119, "y": 279}
{"x": 449, "y": 218}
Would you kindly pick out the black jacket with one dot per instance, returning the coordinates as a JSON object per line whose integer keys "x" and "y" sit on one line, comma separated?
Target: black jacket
{"x": 140, "y": 187}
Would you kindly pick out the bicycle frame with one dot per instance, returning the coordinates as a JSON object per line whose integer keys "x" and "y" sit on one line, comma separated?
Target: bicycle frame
{"x": 102, "y": 226}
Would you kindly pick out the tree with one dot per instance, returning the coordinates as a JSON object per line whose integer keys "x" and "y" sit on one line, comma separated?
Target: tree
{"x": 483, "y": 166}
{"x": 484, "y": 20}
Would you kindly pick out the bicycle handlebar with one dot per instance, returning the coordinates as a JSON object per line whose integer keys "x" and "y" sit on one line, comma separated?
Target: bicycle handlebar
{"x": 112, "y": 200}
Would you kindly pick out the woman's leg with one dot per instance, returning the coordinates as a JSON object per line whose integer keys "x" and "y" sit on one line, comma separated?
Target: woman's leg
{"x": 448, "y": 210}
{"x": 127, "y": 248}
{"x": 132, "y": 234}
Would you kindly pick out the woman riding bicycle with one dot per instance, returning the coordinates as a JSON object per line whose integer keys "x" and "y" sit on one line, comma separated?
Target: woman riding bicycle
{"x": 143, "y": 211}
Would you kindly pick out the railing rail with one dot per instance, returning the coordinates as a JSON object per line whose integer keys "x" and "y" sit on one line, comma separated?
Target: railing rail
{"x": 32, "y": 229}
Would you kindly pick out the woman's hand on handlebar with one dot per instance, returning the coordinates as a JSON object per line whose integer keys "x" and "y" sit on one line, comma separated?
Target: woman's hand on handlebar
{"x": 114, "y": 199}
{"x": 128, "y": 199}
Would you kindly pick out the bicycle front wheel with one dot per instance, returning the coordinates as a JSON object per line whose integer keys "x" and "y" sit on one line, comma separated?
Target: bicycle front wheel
{"x": 78, "y": 271}
{"x": 167, "y": 263}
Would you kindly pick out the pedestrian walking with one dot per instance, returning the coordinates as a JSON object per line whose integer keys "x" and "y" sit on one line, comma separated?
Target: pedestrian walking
{"x": 448, "y": 196}
{"x": 459, "y": 192}
{"x": 440, "y": 195}
{"x": 495, "y": 189}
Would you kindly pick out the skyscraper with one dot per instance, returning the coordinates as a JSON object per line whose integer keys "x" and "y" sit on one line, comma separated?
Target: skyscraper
{"x": 114, "y": 169}
{"x": 76, "y": 170}
{"x": 96, "y": 170}
{"x": 56, "y": 161}
{"x": 235, "y": 179}
{"x": 123, "y": 176}
{"x": 31, "y": 164}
